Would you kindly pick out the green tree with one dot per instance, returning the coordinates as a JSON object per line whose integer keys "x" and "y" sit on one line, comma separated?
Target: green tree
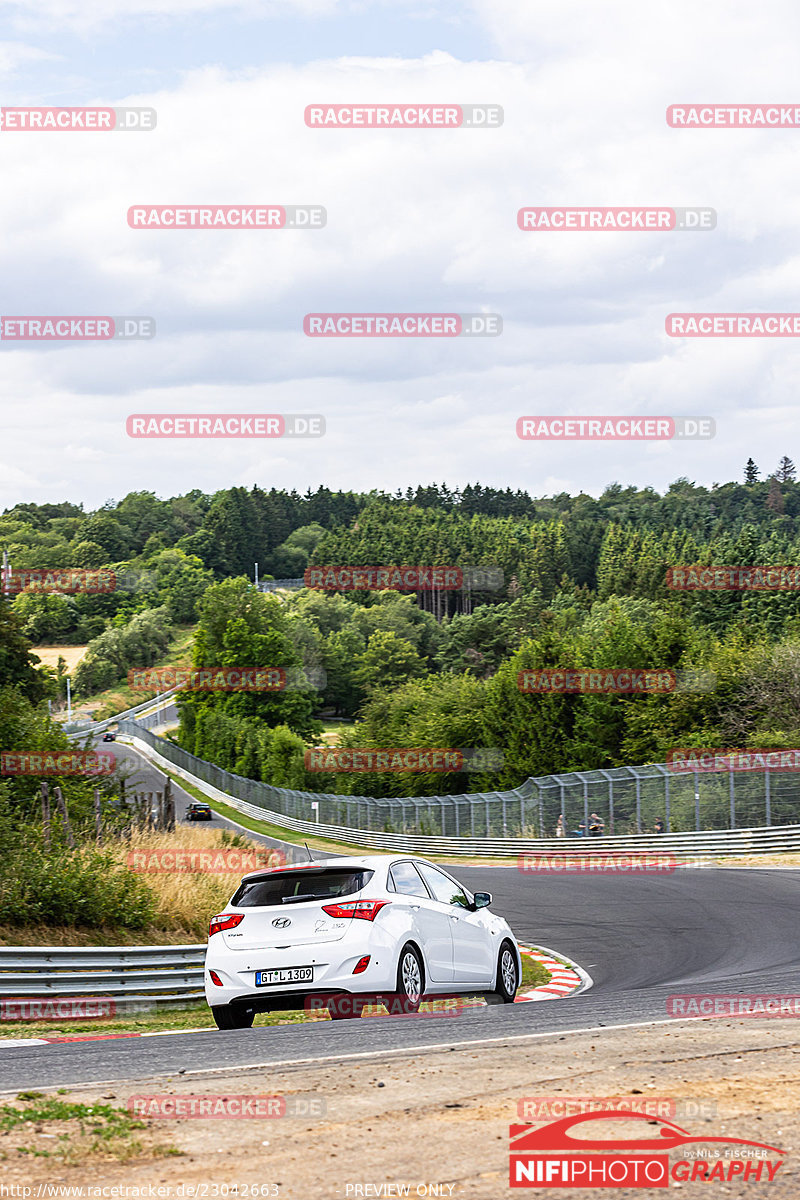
{"x": 17, "y": 663}
{"x": 181, "y": 581}
{"x": 241, "y": 627}
{"x": 786, "y": 471}
{"x": 88, "y": 555}
{"x": 341, "y": 651}
{"x": 387, "y": 662}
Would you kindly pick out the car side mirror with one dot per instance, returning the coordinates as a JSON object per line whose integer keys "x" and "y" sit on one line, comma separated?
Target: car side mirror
{"x": 482, "y": 899}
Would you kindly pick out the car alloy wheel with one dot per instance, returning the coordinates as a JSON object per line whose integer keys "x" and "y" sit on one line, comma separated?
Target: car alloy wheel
{"x": 410, "y": 980}
{"x": 507, "y": 974}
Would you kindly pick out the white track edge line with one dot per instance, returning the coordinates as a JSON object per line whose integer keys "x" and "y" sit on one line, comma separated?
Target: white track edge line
{"x": 377, "y": 1053}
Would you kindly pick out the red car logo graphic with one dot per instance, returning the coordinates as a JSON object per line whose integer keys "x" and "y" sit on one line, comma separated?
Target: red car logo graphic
{"x": 556, "y": 1136}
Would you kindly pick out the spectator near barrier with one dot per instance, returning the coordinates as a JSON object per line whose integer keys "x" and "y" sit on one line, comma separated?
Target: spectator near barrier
{"x": 596, "y": 825}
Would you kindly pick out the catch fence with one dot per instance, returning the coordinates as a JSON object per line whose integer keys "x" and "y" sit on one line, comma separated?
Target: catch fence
{"x": 618, "y": 802}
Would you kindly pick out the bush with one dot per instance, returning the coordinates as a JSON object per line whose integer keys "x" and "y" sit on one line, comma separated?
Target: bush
{"x": 137, "y": 643}
{"x": 84, "y": 887}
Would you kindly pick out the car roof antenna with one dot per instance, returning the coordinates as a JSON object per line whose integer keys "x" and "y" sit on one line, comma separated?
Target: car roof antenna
{"x": 310, "y": 856}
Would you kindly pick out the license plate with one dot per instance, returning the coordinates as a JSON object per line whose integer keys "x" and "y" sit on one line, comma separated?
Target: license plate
{"x": 284, "y": 975}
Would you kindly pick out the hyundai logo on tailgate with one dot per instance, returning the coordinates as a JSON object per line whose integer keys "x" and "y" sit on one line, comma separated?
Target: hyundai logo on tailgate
{"x": 282, "y": 922}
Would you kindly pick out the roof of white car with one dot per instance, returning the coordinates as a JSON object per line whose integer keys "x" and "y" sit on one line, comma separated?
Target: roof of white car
{"x": 369, "y": 861}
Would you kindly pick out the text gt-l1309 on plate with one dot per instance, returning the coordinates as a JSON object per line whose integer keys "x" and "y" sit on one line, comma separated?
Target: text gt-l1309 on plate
{"x": 284, "y": 975}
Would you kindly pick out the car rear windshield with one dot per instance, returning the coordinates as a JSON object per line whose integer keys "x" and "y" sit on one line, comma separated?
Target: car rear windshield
{"x": 293, "y": 887}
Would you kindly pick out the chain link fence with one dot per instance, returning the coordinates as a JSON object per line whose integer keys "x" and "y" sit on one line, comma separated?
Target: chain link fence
{"x": 620, "y": 801}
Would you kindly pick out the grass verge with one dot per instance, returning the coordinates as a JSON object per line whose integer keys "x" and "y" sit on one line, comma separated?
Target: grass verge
{"x": 41, "y": 1126}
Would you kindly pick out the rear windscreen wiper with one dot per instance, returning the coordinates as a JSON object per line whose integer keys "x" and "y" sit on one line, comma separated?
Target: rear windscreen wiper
{"x": 301, "y": 899}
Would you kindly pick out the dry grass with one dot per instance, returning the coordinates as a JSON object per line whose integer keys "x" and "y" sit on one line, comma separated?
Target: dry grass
{"x": 185, "y": 900}
{"x": 50, "y": 655}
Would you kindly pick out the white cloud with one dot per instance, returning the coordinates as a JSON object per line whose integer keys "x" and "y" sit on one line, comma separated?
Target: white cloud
{"x": 17, "y": 54}
{"x": 84, "y": 16}
{"x": 417, "y": 221}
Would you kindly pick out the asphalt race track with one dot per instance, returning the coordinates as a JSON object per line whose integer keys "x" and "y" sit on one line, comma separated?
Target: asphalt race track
{"x": 641, "y": 939}
{"x": 144, "y": 777}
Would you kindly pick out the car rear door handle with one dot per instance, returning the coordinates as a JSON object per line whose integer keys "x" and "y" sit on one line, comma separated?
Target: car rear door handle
{"x": 415, "y": 907}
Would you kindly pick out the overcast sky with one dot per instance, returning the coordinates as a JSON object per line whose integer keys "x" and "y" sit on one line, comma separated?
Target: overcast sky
{"x": 417, "y": 221}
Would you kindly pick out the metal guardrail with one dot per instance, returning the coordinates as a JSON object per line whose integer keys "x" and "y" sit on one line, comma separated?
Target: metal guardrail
{"x": 130, "y": 975}
{"x": 100, "y": 726}
{"x": 705, "y": 843}
{"x": 271, "y": 585}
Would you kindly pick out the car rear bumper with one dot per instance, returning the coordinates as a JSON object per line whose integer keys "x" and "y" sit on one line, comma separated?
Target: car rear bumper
{"x": 333, "y": 964}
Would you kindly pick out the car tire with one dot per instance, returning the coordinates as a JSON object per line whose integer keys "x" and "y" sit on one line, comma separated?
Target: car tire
{"x": 228, "y": 1017}
{"x": 410, "y": 980}
{"x": 507, "y": 978}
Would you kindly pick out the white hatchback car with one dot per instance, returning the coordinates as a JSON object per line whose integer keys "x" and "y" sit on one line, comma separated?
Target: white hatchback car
{"x": 342, "y": 932}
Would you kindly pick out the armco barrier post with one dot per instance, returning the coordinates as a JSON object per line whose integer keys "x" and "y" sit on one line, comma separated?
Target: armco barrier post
{"x": 46, "y": 815}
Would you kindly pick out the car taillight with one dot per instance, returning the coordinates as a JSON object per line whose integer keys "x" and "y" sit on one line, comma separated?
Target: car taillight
{"x": 365, "y": 910}
{"x": 361, "y": 965}
{"x": 224, "y": 921}
{"x": 215, "y": 979}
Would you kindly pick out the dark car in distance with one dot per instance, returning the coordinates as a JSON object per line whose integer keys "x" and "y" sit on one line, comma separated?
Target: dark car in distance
{"x": 198, "y": 812}
{"x": 108, "y": 736}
